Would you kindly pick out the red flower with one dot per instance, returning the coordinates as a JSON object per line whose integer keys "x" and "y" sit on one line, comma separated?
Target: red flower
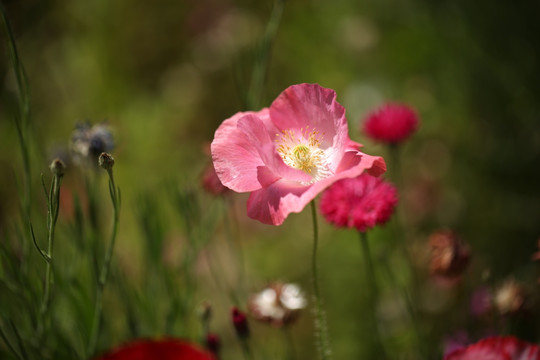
{"x": 391, "y": 123}
{"x": 163, "y": 349}
{"x": 361, "y": 202}
{"x": 497, "y": 348}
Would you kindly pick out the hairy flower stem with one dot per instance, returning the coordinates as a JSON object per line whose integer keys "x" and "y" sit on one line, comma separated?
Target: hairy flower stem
{"x": 321, "y": 329}
{"x": 373, "y": 295}
{"x": 53, "y": 204}
{"x": 105, "y": 268}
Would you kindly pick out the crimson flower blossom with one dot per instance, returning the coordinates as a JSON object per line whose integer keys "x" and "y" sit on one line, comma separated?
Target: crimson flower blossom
{"x": 497, "y": 348}
{"x": 391, "y": 123}
{"x": 361, "y": 202}
{"x": 163, "y": 349}
{"x": 287, "y": 154}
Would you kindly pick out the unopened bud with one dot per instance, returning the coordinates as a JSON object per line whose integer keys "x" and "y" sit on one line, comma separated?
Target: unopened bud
{"x": 239, "y": 320}
{"x": 106, "y": 161}
{"x": 213, "y": 343}
{"x": 58, "y": 167}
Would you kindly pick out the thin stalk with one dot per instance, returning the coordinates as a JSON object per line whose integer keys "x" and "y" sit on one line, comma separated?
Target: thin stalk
{"x": 232, "y": 235}
{"x": 22, "y": 125}
{"x": 410, "y": 309}
{"x": 373, "y": 294}
{"x": 105, "y": 268}
{"x": 222, "y": 283}
{"x": 260, "y": 67}
{"x": 54, "y": 206}
{"x": 289, "y": 343}
{"x": 321, "y": 330}
{"x": 402, "y": 234}
{"x": 246, "y": 349}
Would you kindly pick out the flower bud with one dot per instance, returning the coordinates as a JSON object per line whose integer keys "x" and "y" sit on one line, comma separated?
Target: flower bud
{"x": 205, "y": 311}
{"x": 213, "y": 343}
{"x": 239, "y": 320}
{"x": 106, "y": 161}
{"x": 211, "y": 183}
{"x": 58, "y": 167}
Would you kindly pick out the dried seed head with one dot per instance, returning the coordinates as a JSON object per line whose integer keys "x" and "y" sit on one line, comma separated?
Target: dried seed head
{"x": 449, "y": 256}
{"x": 509, "y": 297}
{"x": 106, "y": 161}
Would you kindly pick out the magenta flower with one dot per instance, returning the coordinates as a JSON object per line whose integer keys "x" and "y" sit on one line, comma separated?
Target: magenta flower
{"x": 391, "y": 123}
{"x": 361, "y": 202}
{"x": 497, "y": 348}
{"x": 287, "y": 154}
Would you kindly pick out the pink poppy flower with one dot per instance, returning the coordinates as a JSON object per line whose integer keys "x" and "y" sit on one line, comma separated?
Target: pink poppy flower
{"x": 497, "y": 348}
{"x": 164, "y": 349}
{"x": 391, "y": 123}
{"x": 287, "y": 154}
{"x": 361, "y": 202}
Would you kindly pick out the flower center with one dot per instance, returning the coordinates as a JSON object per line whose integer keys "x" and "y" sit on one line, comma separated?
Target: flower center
{"x": 302, "y": 151}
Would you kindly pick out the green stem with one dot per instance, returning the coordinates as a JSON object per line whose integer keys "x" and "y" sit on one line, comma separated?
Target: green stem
{"x": 232, "y": 236}
{"x": 22, "y": 125}
{"x": 321, "y": 330}
{"x": 53, "y": 204}
{"x": 260, "y": 66}
{"x": 410, "y": 309}
{"x": 105, "y": 268}
{"x": 246, "y": 349}
{"x": 289, "y": 343}
{"x": 402, "y": 234}
{"x": 373, "y": 294}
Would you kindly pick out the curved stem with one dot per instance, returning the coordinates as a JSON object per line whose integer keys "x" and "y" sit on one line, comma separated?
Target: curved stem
{"x": 105, "y": 268}
{"x": 53, "y": 204}
{"x": 321, "y": 330}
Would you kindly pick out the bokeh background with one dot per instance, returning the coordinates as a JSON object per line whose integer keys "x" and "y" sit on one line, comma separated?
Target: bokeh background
{"x": 165, "y": 74}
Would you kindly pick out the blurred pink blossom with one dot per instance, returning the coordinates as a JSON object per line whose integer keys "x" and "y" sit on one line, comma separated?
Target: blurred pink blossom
{"x": 391, "y": 123}
{"x": 287, "y": 154}
{"x": 361, "y": 202}
{"x": 497, "y": 348}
